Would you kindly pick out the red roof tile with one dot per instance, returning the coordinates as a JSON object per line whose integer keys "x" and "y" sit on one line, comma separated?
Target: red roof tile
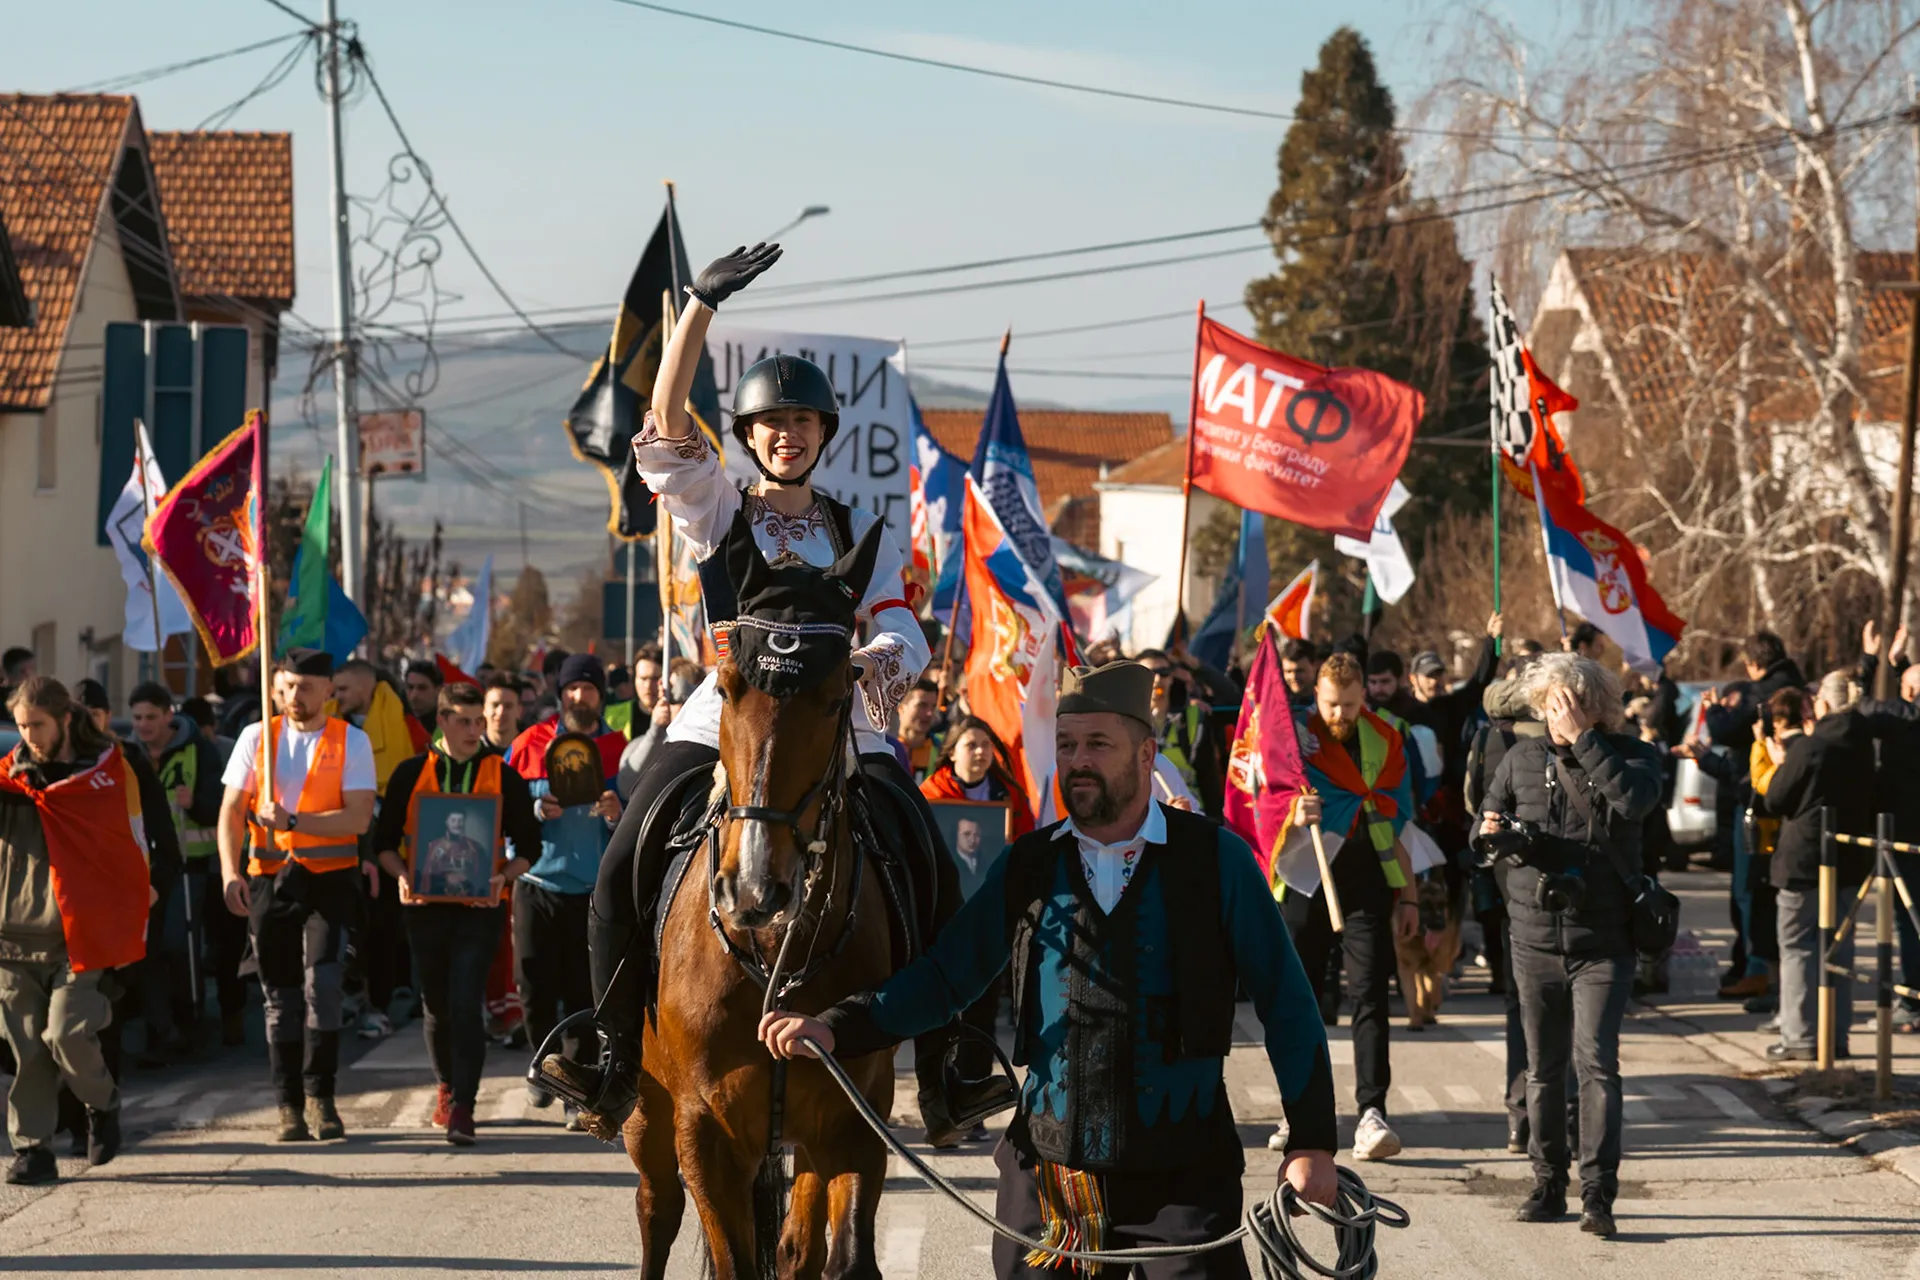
{"x": 1165, "y": 466}
{"x": 228, "y": 200}
{"x": 57, "y": 156}
{"x": 1068, "y": 446}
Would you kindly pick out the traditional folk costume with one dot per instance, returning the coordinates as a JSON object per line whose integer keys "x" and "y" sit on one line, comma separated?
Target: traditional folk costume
{"x": 1124, "y": 961}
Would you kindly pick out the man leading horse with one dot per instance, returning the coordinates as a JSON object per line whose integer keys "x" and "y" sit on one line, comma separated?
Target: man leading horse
{"x": 785, "y": 415}
{"x": 1127, "y": 926}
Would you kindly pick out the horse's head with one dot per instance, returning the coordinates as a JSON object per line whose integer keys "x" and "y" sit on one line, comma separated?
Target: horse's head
{"x": 786, "y": 686}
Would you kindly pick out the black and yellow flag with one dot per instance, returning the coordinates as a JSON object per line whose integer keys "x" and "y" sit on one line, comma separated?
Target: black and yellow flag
{"x": 613, "y": 403}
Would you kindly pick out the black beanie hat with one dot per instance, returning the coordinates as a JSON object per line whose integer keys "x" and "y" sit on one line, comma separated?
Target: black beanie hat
{"x": 582, "y": 666}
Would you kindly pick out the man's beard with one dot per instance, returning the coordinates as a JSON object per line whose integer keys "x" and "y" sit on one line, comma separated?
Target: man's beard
{"x": 1112, "y": 796}
{"x": 581, "y": 720}
{"x": 29, "y": 756}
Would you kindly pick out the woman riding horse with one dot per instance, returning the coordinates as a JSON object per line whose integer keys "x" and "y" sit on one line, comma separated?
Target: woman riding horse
{"x": 785, "y": 413}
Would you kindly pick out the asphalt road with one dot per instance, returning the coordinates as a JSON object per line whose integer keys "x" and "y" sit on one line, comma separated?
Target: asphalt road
{"x": 1718, "y": 1179}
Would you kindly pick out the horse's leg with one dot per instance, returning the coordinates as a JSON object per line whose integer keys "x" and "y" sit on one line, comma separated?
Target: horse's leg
{"x": 803, "y": 1238}
{"x": 718, "y": 1173}
{"x": 660, "y": 1200}
{"x": 857, "y": 1174}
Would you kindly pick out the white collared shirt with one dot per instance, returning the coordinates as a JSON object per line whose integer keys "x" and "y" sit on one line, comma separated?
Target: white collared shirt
{"x": 1110, "y": 867}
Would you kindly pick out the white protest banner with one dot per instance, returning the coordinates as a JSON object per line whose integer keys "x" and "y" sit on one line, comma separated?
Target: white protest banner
{"x": 866, "y": 465}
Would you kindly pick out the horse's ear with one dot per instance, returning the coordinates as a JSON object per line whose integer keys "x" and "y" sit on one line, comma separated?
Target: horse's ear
{"x": 854, "y": 571}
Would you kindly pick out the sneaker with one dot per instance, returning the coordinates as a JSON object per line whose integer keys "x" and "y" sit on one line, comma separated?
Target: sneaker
{"x": 293, "y": 1125}
{"x": 574, "y": 1123}
{"x": 325, "y": 1119}
{"x": 1372, "y": 1139}
{"x": 1791, "y": 1053}
{"x": 537, "y": 1097}
{"x": 1752, "y": 984}
{"x": 1761, "y": 1004}
{"x": 1518, "y": 1136}
{"x": 1546, "y": 1203}
{"x": 1596, "y": 1217}
{"x": 1277, "y": 1140}
{"x": 443, "y": 1106}
{"x": 375, "y": 1025}
{"x": 103, "y": 1136}
{"x": 1771, "y": 1026}
{"x": 33, "y": 1167}
{"x": 979, "y": 1134}
{"x": 460, "y": 1126}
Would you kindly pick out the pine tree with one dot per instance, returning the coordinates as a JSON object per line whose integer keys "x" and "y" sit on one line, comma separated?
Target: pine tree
{"x": 1361, "y": 284}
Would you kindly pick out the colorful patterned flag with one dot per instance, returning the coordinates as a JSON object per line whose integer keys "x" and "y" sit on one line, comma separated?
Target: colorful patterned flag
{"x": 1011, "y": 673}
{"x": 145, "y": 488}
{"x": 1264, "y": 770}
{"x": 1524, "y": 402}
{"x": 937, "y": 484}
{"x": 205, "y": 534}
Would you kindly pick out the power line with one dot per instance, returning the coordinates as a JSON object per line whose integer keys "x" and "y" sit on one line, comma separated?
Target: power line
{"x": 426, "y": 174}
{"x": 296, "y": 15}
{"x": 1059, "y": 373}
{"x": 114, "y": 84}
{"x": 271, "y": 81}
{"x": 1102, "y": 91}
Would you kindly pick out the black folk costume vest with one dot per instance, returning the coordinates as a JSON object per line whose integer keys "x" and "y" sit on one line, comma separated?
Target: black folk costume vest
{"x": 1195, "y": 1022}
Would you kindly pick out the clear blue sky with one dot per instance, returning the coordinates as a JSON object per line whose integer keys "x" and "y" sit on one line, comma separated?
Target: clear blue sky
{"x": 550, "y": 126}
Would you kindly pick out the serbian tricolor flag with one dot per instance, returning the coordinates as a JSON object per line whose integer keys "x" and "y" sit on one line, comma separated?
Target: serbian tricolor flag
{"x": 1264, "y": 770}
{"x": 1012, "y": 676}
{"x": 205, "y": 534}
{"x": 935, "y": 481}
{"x": 1597, "y": 573}
{"x": 1289, "y": 438}
{"x": 1291, "y": 612}
{"x": 1525, "y": 438}
{"x": 97, "y": 851}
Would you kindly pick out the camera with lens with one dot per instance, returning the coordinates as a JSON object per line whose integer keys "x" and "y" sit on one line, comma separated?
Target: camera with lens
{"x": 1523, "y": 844}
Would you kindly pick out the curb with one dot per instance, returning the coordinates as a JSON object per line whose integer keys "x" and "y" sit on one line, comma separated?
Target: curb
{"x": 1881, "y": 1146}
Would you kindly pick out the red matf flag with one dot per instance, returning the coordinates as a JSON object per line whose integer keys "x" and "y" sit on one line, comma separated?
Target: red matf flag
{"x": 1291, "y": 613}
{"x": 1264, "y": 769}
{"x": 1293, "y": 439}
{"x": 205, "y": 534}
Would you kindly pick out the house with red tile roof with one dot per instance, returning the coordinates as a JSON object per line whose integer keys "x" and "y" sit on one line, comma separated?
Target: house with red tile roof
{"x": 1140, "y": 504}
{"x": 87, "y": 231}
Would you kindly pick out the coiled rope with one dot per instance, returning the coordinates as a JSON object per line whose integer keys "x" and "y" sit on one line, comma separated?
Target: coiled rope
{"x": 1354, "y": 1214}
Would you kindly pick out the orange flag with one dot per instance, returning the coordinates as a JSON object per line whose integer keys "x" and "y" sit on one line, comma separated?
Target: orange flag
{"x": 1291, "y": 613}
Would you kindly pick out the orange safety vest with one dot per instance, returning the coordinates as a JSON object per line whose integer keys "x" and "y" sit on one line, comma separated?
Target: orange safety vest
{"x": 486, "y": 782}
{"x": 320, "y": 793}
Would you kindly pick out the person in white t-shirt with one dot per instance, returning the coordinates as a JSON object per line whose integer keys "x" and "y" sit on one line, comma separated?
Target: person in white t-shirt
{"x": 290, "y": 863}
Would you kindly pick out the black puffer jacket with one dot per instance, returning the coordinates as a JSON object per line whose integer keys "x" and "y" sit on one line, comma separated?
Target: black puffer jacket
{"x": 1832, "y": 767}
{"x": 1619, "y": 779}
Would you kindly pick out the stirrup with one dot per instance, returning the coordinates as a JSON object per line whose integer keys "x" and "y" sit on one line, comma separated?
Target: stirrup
{"x": 565, "y": 1085}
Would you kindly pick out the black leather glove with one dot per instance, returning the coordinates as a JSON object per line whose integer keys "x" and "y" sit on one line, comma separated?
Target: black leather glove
{"x": 730, "y": 273}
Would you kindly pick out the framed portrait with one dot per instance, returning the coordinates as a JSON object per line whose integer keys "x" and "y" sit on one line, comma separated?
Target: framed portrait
{"x": 452, "y": 855}
{"x": 976, "y": 834}
{"x": 575, "y": 774}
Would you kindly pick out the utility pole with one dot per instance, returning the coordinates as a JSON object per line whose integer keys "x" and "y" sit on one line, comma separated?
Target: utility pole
{"x": 346, "y": 449}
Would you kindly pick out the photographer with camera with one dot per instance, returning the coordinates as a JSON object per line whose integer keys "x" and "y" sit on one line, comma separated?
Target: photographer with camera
{"x": 1561, "y": 828}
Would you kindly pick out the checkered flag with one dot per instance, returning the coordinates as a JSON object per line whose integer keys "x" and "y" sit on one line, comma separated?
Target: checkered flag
{"x": 1513, "y": 423}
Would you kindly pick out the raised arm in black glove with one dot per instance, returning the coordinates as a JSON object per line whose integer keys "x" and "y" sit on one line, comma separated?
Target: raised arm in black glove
{"x": 732, "y": 272}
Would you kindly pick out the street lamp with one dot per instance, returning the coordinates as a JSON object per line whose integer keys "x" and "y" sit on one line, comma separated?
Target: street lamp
{"x": 811, "y": 211}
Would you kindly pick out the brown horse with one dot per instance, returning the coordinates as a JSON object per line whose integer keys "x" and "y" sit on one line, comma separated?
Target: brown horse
{"x": 782, "y": 880}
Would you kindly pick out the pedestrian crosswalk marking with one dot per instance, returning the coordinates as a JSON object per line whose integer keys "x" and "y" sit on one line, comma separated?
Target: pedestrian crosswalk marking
{"x": 167, "y": 1097}
{"x": 508, "y": 1108}
{"x": 900, "y": 1246}
{"x": 1637, "y": 1111}
{"x": 1725, "y": 1103}
{"x": 201, "y": 1111}
{"x": 1465, "y": 1095}
{"x": 416, "y": 1109}
{"x": 1656, "y": 1090}
{"x": 1421, "y": 1101}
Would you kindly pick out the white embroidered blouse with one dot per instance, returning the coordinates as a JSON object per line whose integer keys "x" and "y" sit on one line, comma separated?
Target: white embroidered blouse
{"x": 697, "y": 496}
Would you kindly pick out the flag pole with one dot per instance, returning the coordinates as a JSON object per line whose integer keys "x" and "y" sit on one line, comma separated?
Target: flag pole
{"x": 1186, "y": 475}
{"x": 960, "y": 583}
{"x": 1546, "y": 546}
{"x": 153, "y": 585}
{"x": 1493, "y": 454}
{"x": 264, "y": 583}
{"x": 662, "y": 525}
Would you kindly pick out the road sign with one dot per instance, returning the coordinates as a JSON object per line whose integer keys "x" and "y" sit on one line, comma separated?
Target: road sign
{"x": 393, "y": 442}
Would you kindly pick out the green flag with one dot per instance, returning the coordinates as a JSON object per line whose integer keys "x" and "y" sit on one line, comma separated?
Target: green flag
{"x": 318, "y": 614}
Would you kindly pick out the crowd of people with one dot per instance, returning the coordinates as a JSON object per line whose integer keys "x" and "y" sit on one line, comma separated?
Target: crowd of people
{"x": 310, "y": 896}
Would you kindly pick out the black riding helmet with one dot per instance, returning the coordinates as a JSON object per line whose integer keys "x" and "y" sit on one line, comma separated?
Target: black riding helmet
{"x": 785, "y": 382}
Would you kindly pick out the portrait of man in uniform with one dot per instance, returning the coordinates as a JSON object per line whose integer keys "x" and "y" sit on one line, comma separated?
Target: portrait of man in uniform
{"x": 453, "y": 858}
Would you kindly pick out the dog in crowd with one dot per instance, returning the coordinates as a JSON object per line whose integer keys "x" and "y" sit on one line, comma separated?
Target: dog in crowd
{"x": 1428, "y": 957}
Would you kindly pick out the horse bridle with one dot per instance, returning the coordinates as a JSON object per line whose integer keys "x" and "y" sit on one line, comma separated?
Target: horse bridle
{"x": 831, "y": 790}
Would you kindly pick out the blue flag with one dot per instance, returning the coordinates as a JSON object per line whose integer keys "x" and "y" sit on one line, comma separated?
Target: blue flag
{"x": 1003, "y": 470}
{"x": 1241, "y": 598}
